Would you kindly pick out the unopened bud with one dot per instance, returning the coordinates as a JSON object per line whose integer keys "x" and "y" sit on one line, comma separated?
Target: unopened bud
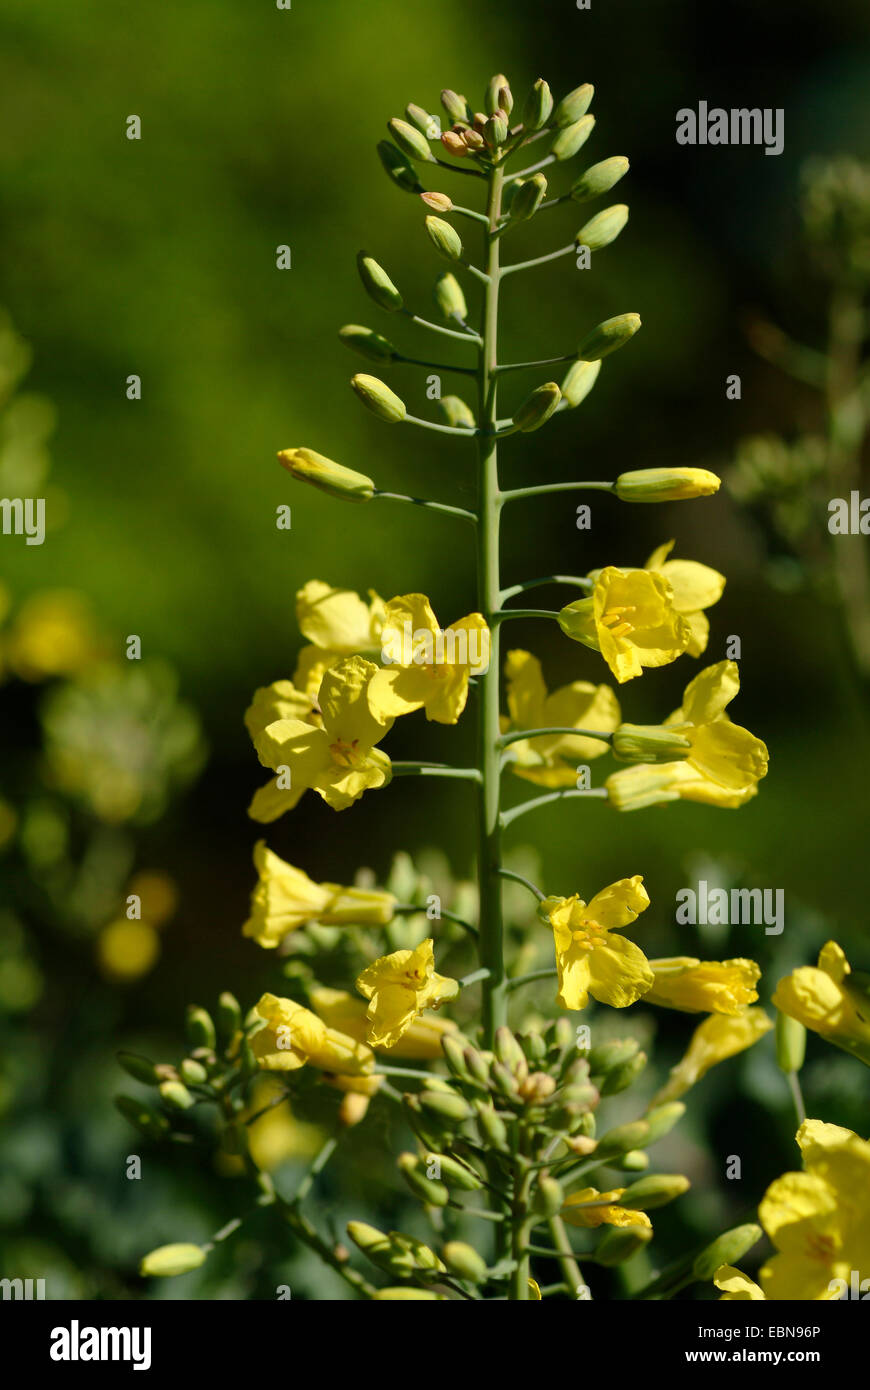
{"x": 579, "y": 380}
{"x": 457, "y": 413}
{"x": 406, "y": 1293}
{"x": 378, "y": 284}
{"x": 791, "y": 1043}
{"x": 572, "y": 138}
{"x": 353, "y": 1109}
{"x": 529, "y": 195}
{"x": 454, "y": 1054}
{"x": 193, "y": 1072}
{"x": 611, "y": 1054}
{"x": 478, "y": 1066}
{"x": 608, "y": 337}
{"x": 492, "y": 1128}
{"x": 599, "y": 178}
{"x": 537, "y": 1087}
{"x": 666, "y": 484}
{"x": 427, "y": 125}
{"x": 429, "y": 1190}
{"x": 537, "y": 408}
{"x": 498, "y": 95}
{"x": 456, "y": 1173}
{"x": 635, "y": 1161}
{"x": 199, "y": 1027}
{"x": 538, "y": 106}
{"x": 548, "y": 1197}
{"x": 169, "y": 1260}
{"x": 438, "y": 202}
{"x": 729, "y": 1249}
{"x": 495, "y": 131}
{"x": 603, "y": 228}
{"x": 307, "y": 466}
{"x": 444, "y": 238}
{"x": 449, "y": 296}
{"x": 399, "y": 167}
{"x": 367, "y": 343}
{"x": 149, "y": 1122}
{"x": 662, "y": 1118}
{"x": 463, "y": 1261}
{"x": 140, "y": 1068}
{"x": 574, "y": 105}
{"x": 410, "y": 140}
{"x": 622, "y": 1138}
{"x": 378, "y": 398}
{"x": 657, "y": 1191}
{"x": 619, "y": 1244}
{"x": 455, "y": 105}
{"x": 229, "y": 1016}
{"x": 453, "y": 1109}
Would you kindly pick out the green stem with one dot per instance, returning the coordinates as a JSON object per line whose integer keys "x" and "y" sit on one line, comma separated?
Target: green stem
{"x": 520, "y": 735}
{"x": 412, "y": 769}
{"x": 439, "y": 328}
{"x": 542, "y": 582}
{"x": 534, "y": 975}
{"x": 424, "y": 502}
{"x": 439, "y": 429}
{"x": 539, "y": 491}
{"x": 542, "y": 362}
{"x": 516, "y": 811}
{"x": 436, "y": 366}
{"x": 518, "y": 878}
{"x": 539, "y": 260}
{"x": 572, "y": 1270}
{"x": 503, "y": 614}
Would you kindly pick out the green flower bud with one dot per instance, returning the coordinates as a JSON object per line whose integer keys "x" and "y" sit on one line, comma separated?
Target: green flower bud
{"x": 608, "y": 337}
{"x": 537, "y": 408}
{"x": 399, "y": 167}
{"x": 574, "y": 105}
{"x": 367, "y": 343}
{"x": 662, "y": 1118}
{"x": 455, "y": 1173}
{"x": 378, "y": 398}
{"x": 456, "y": 107}
{"x": 622, "y": 1138}
{"x": 422, "y": 1257}
{"x": 538, "y": 106}
{"x": 452, "y": 1109}
{"x": 579, "y": 379}
{"x": 426, "y": 1133}
{"x": 505, "y": 1081}
{"x": 635, "y": 1161}
{"x": 495, "y": 132}
{"x": 454, "y": 1054}
{"x": 229, "y": 1015}
{"x": 199, "y": 1027}
{"x": 378, "y": 284}
{"x": 427, "y": 125}
{"x": 449, "y": 296}
{"x": 508, "y": 1050}
{"x": 656, "y": 1191}
{"x": 149, "y": 1122}
{"x": 194, "y": 1073}
{"x": 619, "y": 1244}
{"x": 791, "y": 1043}
{"x": 572, "y": 138}
{"x": 168, "y": 1260}
{"x": 529, "y": 195}
{"x": 429, "y": 1190}
{"x": 403, "y": 1295}
{"x": 444, "y": 238}
{"x": 176, "y": 1095}
{"x": 603, "y": 228}
{"x": 140, "y": 1068}
{"x": 563, "y": 1033}
{"x": 649, "y": 743}
{"x": 478, "y": 1066}
{"x": 457, "y": 413}
{"x": 498, "y": 95}
{"x": 537, "y": 1088}
{"x": 599, "y": 178}
{"x": 619, "y": 1078}
{"x": 665, "y": 484}
{"x": 611, "y": 1054}
{"x": 307, "y": 466}
{"x": 491, "y": 1126}
{"x": 534, "y": 1046}
{"x": 548, "y": 1197}
{"x": 463, "y": 1261}
{"x": 728, "y": 1249}
{"x": 371, "y": 1242}
{"x": 410, "y": 140}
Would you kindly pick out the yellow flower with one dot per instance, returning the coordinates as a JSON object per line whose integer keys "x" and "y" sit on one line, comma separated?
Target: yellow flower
{"x": 338, "y": 761}
{"x": 631, "y": 619}
{"x": 827, "y": 1001}
{"x": 421, "y": 1041}
{"x": 703, "y": 986}
{"x": 337, "y": 623}
{"x": 590, "y": 959}
{"x": 736, "y": 1286}
{"x": 695, "y": 587}
{"x": 54, "y": 634}
{"x": 399, "y": 987}
{"x": 552, "y": 761}
{"x": 819, "y": 1220}
{"x": 276, "y": 1135}
{"x": 425, "y": 667}
{"x": 719, "y": 1037}
{"x": 280, "y": 700}
{"x": 127, "y": 949}
{"x": 577, "y": 1211}
{"x": 294, "y": 1037}
{"x": 724, "y": 764}
{"x": 286, "y": 898}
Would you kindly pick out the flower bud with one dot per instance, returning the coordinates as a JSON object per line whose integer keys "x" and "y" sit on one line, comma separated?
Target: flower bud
{"x": 199, "y": 1027}
{"x": 455, "y": 1173}
{"x": 534, "y": 1045}
{"x": 410, "y": 140}
{"x": 454, "y": 1054}
{"x": 620, "y": 1077}
{"x": 427, "y": 125}
{"x": 548, "y": 1197}
{"x": 309, "y": 467}
{"x": 728, "y": 1249}
{"x": 429, "y": 1190}
{"x": 579, "y": 380}
{"x": 537, "y": 408}
{"x": 538, "y": 106}
{"x": 169, "y": 1260}
{"x": 444, "y": 238}
{"x": 611, "y": 1054}
{"x": 495, "y": 132}
{"x": 529, "y": 195}
{"x": 665, "y": 484}
{"x": 367, "y": 343}
{"x": 454, "y": 143}
{"x": 451, "y": 1109}
{"x": 563, "y": 1033}
{"x": 140, "y": 1068}
{"x": 449, "y": 296}
{"x": 635, "y": 1161}
{"x": 456, "y": 106}
{"x": 464, "y": 1261}
{"x": 457, "y": 413}
{"x": 574, "y": 105}
{"x": 608, "y": 337}
{"x": 649, "y": 743}
{"x": 622, "y": 1138}
{"x": 353, "y": 1109}
{"x": 791, "y": 1043}
{"x": 426, "y": 1133}
{"x": 378, "y": 284}
{"x": 537, "y": 1088}
{"x": 619, "y": 1244}
{"x": 572, "y": 138}
{"x": 662, "y": 1118}
{"x": 404, "y": 1294}
{"x": 421, "y": 1257}
{"x": 149, "y": 1122}
{"x": 656, "y": 1191}
{"x": 599, "y": 178}
{"x": 508, "y": 1050}
{"x": 491, "y": 1126}
{"x": 229, "y": 1015}
{"x": 370, "y": 1241}
{"x": 504, "y": 1079}
{"x": 439, "y": 202}
{"x": 193, "y": 1072}
{"x": 399, "y": 167}
{"x": 498, "y": 95}
{"x": 478, "y": 1066}
{"x": 378, "y": 398}
{"x": 603, "y": 228}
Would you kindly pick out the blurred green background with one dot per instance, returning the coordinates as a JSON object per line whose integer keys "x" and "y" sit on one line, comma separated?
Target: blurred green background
{"x": 157, "y": 257}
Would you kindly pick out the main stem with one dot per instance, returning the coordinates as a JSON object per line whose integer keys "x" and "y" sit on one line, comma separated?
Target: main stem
{"x": 489, "y": 602}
